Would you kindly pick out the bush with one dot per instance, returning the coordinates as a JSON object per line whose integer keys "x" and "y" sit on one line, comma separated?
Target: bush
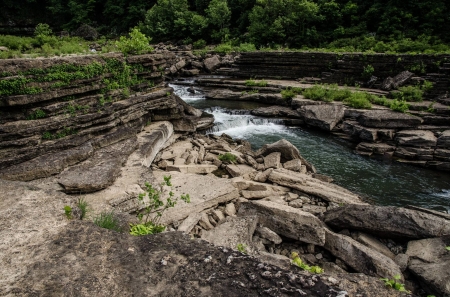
{"x": 290, "y": 93}
{"x": 399, "y": 105}
{"x": 199, "y": 44}
{"x": 227, "y": 157}
{"x": 368, "y": 71}
{"x": 316, "y": 93}
{"x": 246, "y": 47}
{"x": 108, "y": 220}
{"x": 358, "y": 100}
{"x": 42, "y": 30}
{"x": 137, "y": 43}
{"x": 254, "y": 83}
{"x": 223, "y": 48}
{"x": 409, "y": 93}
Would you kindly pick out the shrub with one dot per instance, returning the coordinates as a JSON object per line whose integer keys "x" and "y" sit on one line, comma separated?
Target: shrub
{"x": 290, "y": 93}
{"x": 409, "y": 93}
{"x": 137, "y": 43}
{"x": 223, "y": 48}
{"x": 254, "y": 83}
{"x": 358, "y": 100}
{"x": 426, "y": 86}
{"x": 154, "y": 208}
{"x": 199, "y": 44}
{"x": 108, "y": 220}
{"x": 367, "y": 71}
{"x": 42, "y": 30}
{"x": 316, "y": 92}
{"x": 399, "y": 105}
{"x": 227, "y": 157}
{"x": 246, "y": 47}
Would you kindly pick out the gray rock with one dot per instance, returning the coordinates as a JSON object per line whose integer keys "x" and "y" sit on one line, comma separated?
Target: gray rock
{"x": 355, "y": 130}
{"x": 307, "y": 184}
{"x": 360, "y": 257}
{"x": 402, "y": 261}
{"x": 296, "y": 203}
{"x": 387, "y": 221}
{"x": 189, "y": 223}
{"x": 195, "y": 168}
{"x": 373, "y": 243}
{"x": 272, "y": 160}
{"x": 417, "y": 138}
{"x": 287, "y": 221}
{"x": 276, "y": 111}
{"x": 444, "y": 139}
{"x": 218, "y": 215}
{"x": 367, "y": 149}
{"x": 388, "y": 119}
{"x": 294, "y": 165}
{"x": 288, "y": 152}
{"x": 211, "y": 64}
{"x": 268, "y": 234}
{"x": 324, "y": 117}
{"x": 262, "y": 176}
{"x": 234, "y": 231}
{"x": 230, "y": 209}
{"x": 239, "y": 170}
{"x": 204, "y": 222}
{"x": 314, "y": 209}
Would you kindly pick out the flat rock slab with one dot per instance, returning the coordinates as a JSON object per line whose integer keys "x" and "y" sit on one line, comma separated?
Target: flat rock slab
{"x": 99, "y": 171}
{"x": 444, "y": 139}
{"x": 196, "y": 169}
{"x": 429, "y": 262}
{"x": 205, "y": 192}
{"x": 324, "y": 117}
{"x": 239, "y": 170}
{"x": 234, "y": 231}
{"x": 276, "y": 111}
{"x": 388, "y": 119}
{"x": 360, "y": 257}
{"x": 387, "y": 221}
{"x": 308, "y": 184}
{"x": 286, "y": 221}
{"x": 416, "y": 138}
{"x": 354, "y": 129}
{"x": 47, "y": 165}
{"x": 153, "y": 139}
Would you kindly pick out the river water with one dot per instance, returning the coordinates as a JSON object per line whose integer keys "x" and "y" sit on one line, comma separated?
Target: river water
{"x": 381, "y": 182}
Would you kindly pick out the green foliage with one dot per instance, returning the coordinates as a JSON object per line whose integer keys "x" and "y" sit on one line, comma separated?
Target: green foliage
{"x": 83, "y": 206}
{"x": 37, "y": 114}
{"x": 42, "y": 30}
{"x": 447, "y": 248}
{"x": 68, "y": 212}
{"x": 317, "y": 93}
{"x": 289, "y": 93}
{"x": 59, "y": 134}
{"x": 108, "y": 220}
{"x": 255, "y": 83}
{"x": 399, "y": 105}
{"x": 368, "y": 71}
{"x": 394, "y": 284}
{"x": 227, "y": 157}
{"x": 242, "y": 248}
{"x": 426, "y": 86}
{"x": 224, "y": 48}
{"x": 409, "y": 94}
{"x": 153, "y": 208}
{"x": 298, "y": 262}
{"x": 199, "y": 44}
{"x": 358, "y": 100}
{"x": 137, "y": 43}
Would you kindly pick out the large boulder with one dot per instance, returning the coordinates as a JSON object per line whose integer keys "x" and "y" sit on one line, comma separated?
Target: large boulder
{"x": 417, "y": 138}
{"x": 287, "y": 221}
{"x": 355, "y": 130}
{"x": 429, "y": 262}
{"x": 324, "y": 117}
{"x": 388, "y": 119}
{"x": 211, "y": 64}
{"x": 387, "y": 221}
{"x": 310, "y": 185}
{"x": 360, "y": 257}
{"x": 288, "y": 152}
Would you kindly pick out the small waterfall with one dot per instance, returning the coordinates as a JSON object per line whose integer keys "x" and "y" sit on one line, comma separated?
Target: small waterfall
{"x": 183, "y": 93}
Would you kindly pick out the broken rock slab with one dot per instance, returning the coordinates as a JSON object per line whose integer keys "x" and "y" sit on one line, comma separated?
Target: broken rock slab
{"x": 388, "y": 119}
{"x": 268, "y": 234}
{"x": 239, "y": 170}
{"x": 195, "y": 169}
{"x": 152, "y": 140}
{"x": 416, "y": 138}
{"x": 309, "y": 185}
{"x": 324, "y": 117}
{"x": 99, "y": 171}
{"x": 387, "y": 221}
{"x": 232, "y": 232}
{"x": 286, "y": 220}
{"x": 360, "y": 257}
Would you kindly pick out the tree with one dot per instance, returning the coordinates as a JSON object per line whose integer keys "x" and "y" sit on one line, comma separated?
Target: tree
{"x": 219, "y": 15}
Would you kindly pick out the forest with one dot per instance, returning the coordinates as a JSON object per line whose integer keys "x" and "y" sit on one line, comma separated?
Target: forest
{"x": 377, "y": 25}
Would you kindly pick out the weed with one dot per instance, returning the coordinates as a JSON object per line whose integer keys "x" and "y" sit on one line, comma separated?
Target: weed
{"x": 426, "y": 86}
{"x": 289, "y": 93}
{"x": 430, "y": 107}
{"x": 47, "y": 135}
{"x": 250, "y": 92}
{"x": 167, "y": 94}
{"x": 83, "y": 206}
{"x": 242, "y": 248}
{"x": 409, "y": 93}
{"x": 199, "y": 44}
{"x": 254, "y": 83}
{"x": 367, "y": 71}
{"x": 68, "y": 212}
{"x": 126, "y": 93}
{"x": 108, "y": 220}
{"x": 312, "y": 269}
{"x": 37, "y": 114}
{"x": 358, "y": 100}
{"x": 399, "y": 105}
{"x": 394, "y": 284}
{"x": 447, "y": 248}
{"x": 154, "y": 208}
{"x": 316, "y": 93}
{"x": 227, "y": 157}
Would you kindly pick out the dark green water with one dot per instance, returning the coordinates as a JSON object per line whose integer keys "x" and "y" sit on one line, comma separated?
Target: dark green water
{"x": 381, "y": 182}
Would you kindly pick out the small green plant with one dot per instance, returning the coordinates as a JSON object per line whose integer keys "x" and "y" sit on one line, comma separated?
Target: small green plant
{"x": 47, "y": 135}
{"x": 137, "y": 43}
{"x": 409, "y": 93}
{"x": 37, "y": 114}
{"x": 168, "y": 94}
{"x": 289, "y": 93}
{"x": 68, "y": 212}
{"x": 312, "y": 269}
{"x": 430, "y": 107}
{"x": 399, "y": 105}
{"x": 447, "y": 248}
{"x": 108, "y": 220}
{"x": 126, "y": 93}
{"x": 83, "y": 206}
{"x": 394, "y": 284}
{"x": 199, "y": 44}
{"x": 358, "y": 100}
{"x": 242, "y": 248}
{"x": 367, "y": 71}
{"x": 426, "y": 86}
{"x": 255, "y": 83}
{"x": 154, "y": 208}
{"x": 250, "y": 92}
{"x": 227, "y": 157}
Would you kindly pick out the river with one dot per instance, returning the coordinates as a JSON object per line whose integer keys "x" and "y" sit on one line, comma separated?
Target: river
{"x": 381, "y": 182}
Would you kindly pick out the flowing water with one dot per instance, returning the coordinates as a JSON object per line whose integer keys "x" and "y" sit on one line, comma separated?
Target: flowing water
{"x": 382, "y": 182}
